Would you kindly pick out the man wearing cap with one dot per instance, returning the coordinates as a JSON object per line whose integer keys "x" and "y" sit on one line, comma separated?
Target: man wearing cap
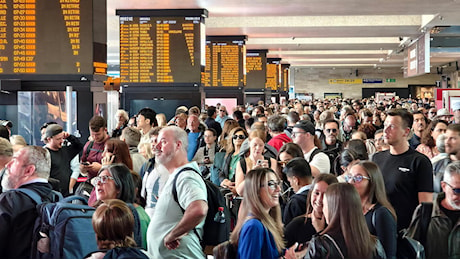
{"x": 443, "y": 114}
{"x": 303, "y": 134}
{"x": 298, "y": 173}
{"x": 61, "y": 155}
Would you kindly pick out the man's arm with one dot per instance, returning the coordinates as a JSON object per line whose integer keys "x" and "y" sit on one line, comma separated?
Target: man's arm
{"x": 425, "y": 197}
{"x": 193, "y": 215}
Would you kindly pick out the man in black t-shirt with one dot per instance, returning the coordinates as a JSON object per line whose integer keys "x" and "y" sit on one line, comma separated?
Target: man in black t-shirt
{"x": 408, "y": 174}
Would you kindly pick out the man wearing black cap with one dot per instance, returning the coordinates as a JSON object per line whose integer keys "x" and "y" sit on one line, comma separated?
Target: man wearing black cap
{"x": 298, "y": 173}
{"x": 303, "y": 134}
{"x": 61, "y": 155}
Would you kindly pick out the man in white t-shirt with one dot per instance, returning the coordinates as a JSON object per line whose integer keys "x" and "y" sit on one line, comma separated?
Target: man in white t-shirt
{"x": 174, "y": 229}
{"x": 303, "y": 134}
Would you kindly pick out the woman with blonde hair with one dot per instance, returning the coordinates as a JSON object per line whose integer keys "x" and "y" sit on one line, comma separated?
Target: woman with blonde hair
{"x": 254, "y": 159}
{"x": 161, "y": 119}
{"x": 113, "y": 223}
{"x": 259, "y": 232}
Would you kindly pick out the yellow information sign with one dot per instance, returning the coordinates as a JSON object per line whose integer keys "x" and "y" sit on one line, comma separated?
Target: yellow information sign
{"x": 345, "y": 81}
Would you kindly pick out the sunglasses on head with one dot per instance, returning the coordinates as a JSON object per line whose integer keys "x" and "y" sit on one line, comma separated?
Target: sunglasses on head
{"x": 242, "y": 137}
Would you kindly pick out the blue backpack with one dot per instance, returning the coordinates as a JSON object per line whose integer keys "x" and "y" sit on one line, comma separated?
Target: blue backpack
{"x": 68, "y": 227}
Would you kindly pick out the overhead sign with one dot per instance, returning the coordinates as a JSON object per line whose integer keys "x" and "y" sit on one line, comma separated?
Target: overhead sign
{"x": 366, "y": 81}
{"x": 345, "y": 81}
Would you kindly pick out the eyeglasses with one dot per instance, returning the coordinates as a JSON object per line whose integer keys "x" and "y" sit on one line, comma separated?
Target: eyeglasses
{"x": 456, "y": 190}
{"x": 331, "y": 130}
{"x": 103, "y": 179}
{"x": 242, "y": 137}
{"x": 294, "y": 134}
{"x": 222, "y": 110}
{"x": 356, "y": 179}
{"x": 274, "y": 184}
{"x": 282, "y": 163}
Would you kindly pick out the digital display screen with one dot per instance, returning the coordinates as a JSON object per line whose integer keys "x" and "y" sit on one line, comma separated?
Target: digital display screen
{"x": 273, "y": 74}
{"x": 225, "y": 61}
{"x": 256, "y": 68}
{"x": 160, "y": 49}
{"x": 285, "y": 77}
{"x": 50, "y": 37}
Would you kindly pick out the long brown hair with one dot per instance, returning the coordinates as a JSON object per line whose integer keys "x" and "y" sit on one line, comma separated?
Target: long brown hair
{"x": 376, "y": 188}
{"x": 120, "y": 150}
{"x": 253, "y": 205}
{"x": 228, "y": 126}
{"x": 346, "y": 217}
{"x": 230, "y": 149}
{"x": 113, "y": 223}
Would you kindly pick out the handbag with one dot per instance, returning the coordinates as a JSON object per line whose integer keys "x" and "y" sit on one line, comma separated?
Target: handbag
{"x": 225, "y": 250}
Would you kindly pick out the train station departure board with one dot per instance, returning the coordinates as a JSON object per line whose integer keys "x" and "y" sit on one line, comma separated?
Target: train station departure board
{"x": 285, "y": 77}
{"x": 225, "y": 61}
{"x": 161, "y": 46}
{"x": 273, "y": 73}
{"x": 52, "y": 37}
{"x": 256, "y": 68}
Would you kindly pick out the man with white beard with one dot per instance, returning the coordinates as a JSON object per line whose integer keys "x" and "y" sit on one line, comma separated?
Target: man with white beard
{"x": 442, "y": 235}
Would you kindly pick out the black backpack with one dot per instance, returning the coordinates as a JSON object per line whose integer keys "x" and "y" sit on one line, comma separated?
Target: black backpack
{"x": 214, "y": 232}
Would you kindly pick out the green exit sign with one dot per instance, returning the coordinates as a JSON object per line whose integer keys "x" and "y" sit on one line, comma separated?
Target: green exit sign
{"x": 391, "y": 80}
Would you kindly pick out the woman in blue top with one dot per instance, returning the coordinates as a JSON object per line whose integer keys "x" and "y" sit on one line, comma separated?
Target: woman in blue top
{"x": 259, "y": 232}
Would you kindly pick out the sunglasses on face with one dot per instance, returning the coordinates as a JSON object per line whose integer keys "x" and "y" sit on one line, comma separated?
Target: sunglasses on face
{"x": 103, "y": 179}
{"x": 456, "y": 190}
{"x": 333, "y": 130}
{"x": 356, "y": 179}
{"x": 241, "y": 137}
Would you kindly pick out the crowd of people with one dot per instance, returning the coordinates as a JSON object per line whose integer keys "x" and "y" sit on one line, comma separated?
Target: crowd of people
{"x": 332, "y": 178}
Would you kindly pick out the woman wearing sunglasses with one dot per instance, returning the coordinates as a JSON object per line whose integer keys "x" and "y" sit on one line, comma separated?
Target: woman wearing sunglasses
{"x": 225, "y": 162}
{"x": 346, "y": 234}
{"x": 259, "y": 232}
{"x": 380, "y": 216}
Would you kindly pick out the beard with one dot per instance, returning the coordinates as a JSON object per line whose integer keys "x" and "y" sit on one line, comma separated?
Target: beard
{"x": 165, "y": 157}
{"x": 454, "y": 204}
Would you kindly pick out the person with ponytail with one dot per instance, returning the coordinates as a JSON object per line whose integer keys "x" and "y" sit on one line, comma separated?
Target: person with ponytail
{"x": 113, "y": 223}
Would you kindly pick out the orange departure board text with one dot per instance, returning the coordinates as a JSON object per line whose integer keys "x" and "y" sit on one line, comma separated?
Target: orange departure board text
{"x": 225, "y": 61}
{"x": 285, "y": 77}
{"x": 273, "y": 73}
{"x": 256, "y": 68}
{"x": 155, "y": 48}
{"x": 49, "y": 36}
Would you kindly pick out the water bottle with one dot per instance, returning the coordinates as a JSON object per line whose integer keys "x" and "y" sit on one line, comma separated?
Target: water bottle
{"x": 220, "y": 216}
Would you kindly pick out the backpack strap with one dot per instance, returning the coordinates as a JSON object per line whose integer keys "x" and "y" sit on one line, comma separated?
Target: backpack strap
{"x": 313, "y": 154}
{"x": 425, "y": 217}
{"x": 174, "y": 193}
{"x": 335, "y": 244}
{"x": 137, "y": 225}
{"x": 88, "y": 149}
{"x": 31, "y": 194}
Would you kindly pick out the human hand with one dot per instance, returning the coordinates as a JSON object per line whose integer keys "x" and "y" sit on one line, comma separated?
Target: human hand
{"x": 171, "y": 242}
{"x": 108, "y": 159}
